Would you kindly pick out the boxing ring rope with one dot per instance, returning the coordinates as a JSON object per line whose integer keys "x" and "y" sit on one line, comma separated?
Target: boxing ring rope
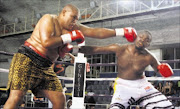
{"x": 172, "y": 78}
{"x": 4, "y": 70}
{"x": 103, "y": 79}
{"x": 99, "y": 64}
{"x": 6, "y": 53}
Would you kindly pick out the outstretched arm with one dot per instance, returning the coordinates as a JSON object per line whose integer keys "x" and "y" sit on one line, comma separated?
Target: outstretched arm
{"x": 101, "y": 33}
{"x": 97, "y": 49}
{"x": 163, "y": 68}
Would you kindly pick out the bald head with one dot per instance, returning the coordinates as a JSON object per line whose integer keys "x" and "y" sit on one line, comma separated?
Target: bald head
{"x": 68, "y": 17}
{"x": 70, "y": 8}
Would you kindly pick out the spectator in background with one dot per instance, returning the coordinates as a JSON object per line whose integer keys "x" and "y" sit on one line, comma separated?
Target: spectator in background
{"x": 111, "y": 87}
{"x": 173, "y": 88}
{"x": 69, "y": 71}
{"x": 167, "y": 88}
{"x": 178, "y": 87}
{"x": 90, "y": 99}
{"x": 59, "y": 69}
{"x": 160, "y": 86}
{"x": 37, "y": 99}
{"x": 90, "y": 92}
{"x": 90, "y": 102}
{"x": 69, "y": 102}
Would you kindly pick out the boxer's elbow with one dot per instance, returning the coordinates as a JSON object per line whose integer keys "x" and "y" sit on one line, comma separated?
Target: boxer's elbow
{"x": 46, "y": 44}
{"x": 104, "y": 36}
{"x": 101, "y": 36}
{"x": 99, "y": 33}
{"x": 105, "y": 33}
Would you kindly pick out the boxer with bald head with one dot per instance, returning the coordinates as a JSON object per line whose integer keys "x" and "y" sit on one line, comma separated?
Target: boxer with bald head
{"x": 131, "y": 86}
{"x": 31, "y": 66}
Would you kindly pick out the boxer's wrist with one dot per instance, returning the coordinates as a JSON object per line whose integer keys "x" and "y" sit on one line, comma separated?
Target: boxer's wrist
{"x": 73, "y": 36}
{"x": 119, "y": 32}
{"x": 129, "y": 33}
{"x": 66, "y": 38}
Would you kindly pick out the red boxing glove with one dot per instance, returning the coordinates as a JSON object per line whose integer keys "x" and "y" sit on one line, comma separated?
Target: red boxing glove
{"x": 129, "y": 33}
{"x": 165, "y": 70}
{"x": 72, "y": 36}
{"x": 67, "y": 48}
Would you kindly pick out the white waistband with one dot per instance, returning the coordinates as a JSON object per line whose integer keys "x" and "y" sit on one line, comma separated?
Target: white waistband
{"x": 131, "y": 83}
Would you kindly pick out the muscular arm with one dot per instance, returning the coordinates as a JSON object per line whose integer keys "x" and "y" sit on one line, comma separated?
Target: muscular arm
{"x": 48, "y": 34}
{"x": 163, "y": 68}
{"x": 100, "y": 33}
{"x": 154, "y": 63}
{"x": 97, "y": 49}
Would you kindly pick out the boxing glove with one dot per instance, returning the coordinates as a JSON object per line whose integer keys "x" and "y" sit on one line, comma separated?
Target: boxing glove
{"x": 165, "y": 70}
{"x": 67, "y": 48}
{"x": 73, "y": 36}
{"x": 129, "y": 33}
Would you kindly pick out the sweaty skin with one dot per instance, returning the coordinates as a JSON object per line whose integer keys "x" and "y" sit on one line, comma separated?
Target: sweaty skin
{"x": 46, "y": 35}
{"x": 46, "y": 38}
{"x": 132, "y": 59}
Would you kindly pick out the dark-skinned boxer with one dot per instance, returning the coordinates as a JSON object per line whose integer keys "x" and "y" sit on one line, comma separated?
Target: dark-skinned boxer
{"x": 131, "y": 86}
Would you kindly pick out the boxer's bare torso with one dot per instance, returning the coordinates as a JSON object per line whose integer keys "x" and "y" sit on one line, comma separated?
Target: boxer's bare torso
{"x": 36, "y": 39}
{"x": 131, "y": 62}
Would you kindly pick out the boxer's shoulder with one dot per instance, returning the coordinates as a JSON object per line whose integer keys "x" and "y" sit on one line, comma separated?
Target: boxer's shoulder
{"x": 49, "y": 17}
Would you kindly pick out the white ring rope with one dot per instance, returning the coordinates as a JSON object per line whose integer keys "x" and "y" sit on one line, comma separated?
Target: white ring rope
{"x": 112, "y": 79}
{"x": 109, "y": 79}
{"x": 4, "y": 70}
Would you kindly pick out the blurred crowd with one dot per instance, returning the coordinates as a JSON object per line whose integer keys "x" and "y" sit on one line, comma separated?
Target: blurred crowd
{"x": 169, "y": 88}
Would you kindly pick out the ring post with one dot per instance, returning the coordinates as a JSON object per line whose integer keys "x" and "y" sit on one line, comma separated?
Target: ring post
{"x": 79, "y": 82}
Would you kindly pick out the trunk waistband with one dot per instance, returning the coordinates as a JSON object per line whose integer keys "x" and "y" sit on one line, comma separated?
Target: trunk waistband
{"x": 35, "y": 50}
{"x": 35, "y": 57}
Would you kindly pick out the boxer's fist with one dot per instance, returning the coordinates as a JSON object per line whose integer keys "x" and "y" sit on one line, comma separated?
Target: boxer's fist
{"x": 165, "y": 70}
{"x": 67, "y": 48}
{"x": 129, "y": 33}
{"x": 73, "y": 36}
